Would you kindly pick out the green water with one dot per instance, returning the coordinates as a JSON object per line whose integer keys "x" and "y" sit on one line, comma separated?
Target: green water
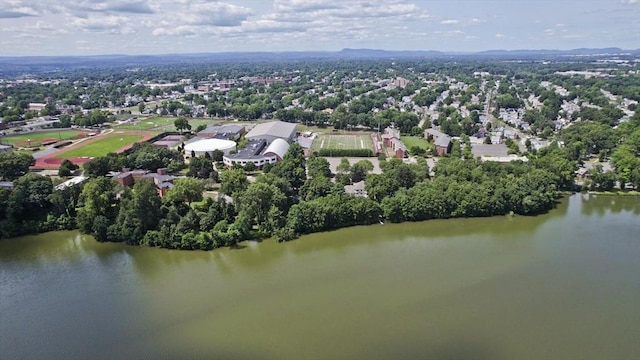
{"x": 565, "y": 285}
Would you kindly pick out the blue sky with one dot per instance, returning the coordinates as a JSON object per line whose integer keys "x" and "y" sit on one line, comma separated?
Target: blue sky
{"x": 89, "y": 27}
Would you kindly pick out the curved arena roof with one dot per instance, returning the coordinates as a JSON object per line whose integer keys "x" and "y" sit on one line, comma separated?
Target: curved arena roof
{"x": 210, "y": 145}
{"x": 278, "y": 147}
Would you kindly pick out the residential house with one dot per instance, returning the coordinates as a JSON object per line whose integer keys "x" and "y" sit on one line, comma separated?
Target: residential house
{"x": 391, "y": 139}
{"x": 161, "y": 179}
{"x": 441, "y": 140}
{"x": 356, "y": 189}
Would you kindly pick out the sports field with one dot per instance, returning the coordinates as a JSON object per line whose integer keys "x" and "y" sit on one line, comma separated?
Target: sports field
{"x": 101, "y": 147}
{"x": 163, "y": 124}
{"x": 37, "y": 138}
{"x": 340, "y": 142}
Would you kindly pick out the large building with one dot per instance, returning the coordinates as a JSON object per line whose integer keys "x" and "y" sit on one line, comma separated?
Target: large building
{"x": 273, "y": 130}
{"x": 441, "y": 141}
{"x": 391, "y": 139}
{"x": 201, "y": 147}
{"x": 259, "y": 152}
{"x": 226, "y": 132}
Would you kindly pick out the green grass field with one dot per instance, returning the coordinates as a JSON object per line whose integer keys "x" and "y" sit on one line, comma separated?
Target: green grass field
{"x": 37, "y": 137}
{"x": 163, "y": 124}
{"x": 149, "y": 124}
{"x": 411, "y": 141}
{"x": 326, "y": 141}
{"x": 101, "y": 147}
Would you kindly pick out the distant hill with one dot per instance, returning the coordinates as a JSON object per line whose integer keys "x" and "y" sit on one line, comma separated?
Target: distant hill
{"x": 574, "y": 52}
{"x": 26, "y": 64}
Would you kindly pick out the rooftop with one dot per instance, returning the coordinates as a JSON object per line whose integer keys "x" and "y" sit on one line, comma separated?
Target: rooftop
{"x": 73, "y": 181}
{"x": 209, "y": 144}
{"x": 222, "y": 132}
{"x": 273, "y": 128}
{"x": 253, "y": 150}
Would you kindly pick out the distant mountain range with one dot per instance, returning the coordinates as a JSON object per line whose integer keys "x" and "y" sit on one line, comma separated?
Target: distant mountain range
{"x": 51, "y": 63}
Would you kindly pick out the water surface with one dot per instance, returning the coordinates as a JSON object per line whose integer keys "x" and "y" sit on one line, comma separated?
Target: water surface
{"x": 564, "y": 285}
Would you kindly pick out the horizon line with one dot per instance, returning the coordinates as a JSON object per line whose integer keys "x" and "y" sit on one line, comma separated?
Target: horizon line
{"x": 459, "y": 52}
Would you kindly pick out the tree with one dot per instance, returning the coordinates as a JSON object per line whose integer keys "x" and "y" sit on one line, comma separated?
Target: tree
{"x": 13, "y": 165}
{"x": 186, "y": 190}
{"x": 67, "y": 168}
{"x": 97, "y": 199}
{"x": 139, "y": 212}
{"x": 318, "y": 166}
{"x": 181, "y": 124}
{"x": 626, "y": 160}
{"x": 250, "y": 166}
{"x": 29, "y": 198}
{"x": 318, "y": 187}
{"x": 260, "y": 202}
{"x": 293, "y": 166}
{"x": 233, "y": 181}
{"x": 216, "y": 155}
{"x": 101, "y": 166}
{"x": 360, "y": 170}
{"x": 379, "y": 186}
{"x": 201, "y": 168}
{"x": 601, "y": 180}
{"x": 141, "y": 107}
{"x": 342, "y": 172}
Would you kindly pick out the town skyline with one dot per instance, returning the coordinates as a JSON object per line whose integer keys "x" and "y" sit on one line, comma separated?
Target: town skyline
{"x": 97, "y": 27}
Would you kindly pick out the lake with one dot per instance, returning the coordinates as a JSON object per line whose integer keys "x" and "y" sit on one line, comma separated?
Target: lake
{"x": 563, "y": 285}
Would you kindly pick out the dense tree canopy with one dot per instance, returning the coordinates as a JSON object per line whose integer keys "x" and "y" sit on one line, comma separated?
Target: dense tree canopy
{"x": 13, "y": 165}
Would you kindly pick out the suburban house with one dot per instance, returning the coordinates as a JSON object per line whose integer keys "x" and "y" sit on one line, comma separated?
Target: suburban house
{"x": 356, "y": 189}
{"x": 442, "y": 141}
{"x": 391, "y": 139}
{"x": 161, "y": 179}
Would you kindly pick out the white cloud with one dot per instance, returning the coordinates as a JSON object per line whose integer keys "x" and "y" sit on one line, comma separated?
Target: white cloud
{"x": 272, "y": 26}
{"x": 201, "y": 18}
{"x": 216, "y": 14}
{"x": 228, "y": 25}
{"x": 112, "y": 24}
{"x": 10, "y": 9}
{"x": 120, "y": 6}
{"x": 296, "y": 6}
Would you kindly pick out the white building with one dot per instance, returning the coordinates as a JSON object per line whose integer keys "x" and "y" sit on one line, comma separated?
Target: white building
{"x": 258, "y": 152}
{"x": 273, "y": 130}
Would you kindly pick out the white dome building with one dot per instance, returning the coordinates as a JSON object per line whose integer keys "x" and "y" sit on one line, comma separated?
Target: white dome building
{"x": 201, "y": 147}
{"x": 278, "y": 148}
{"x": 258, "y": 152}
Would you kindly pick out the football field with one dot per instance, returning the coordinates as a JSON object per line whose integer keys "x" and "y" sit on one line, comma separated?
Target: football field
{"x": 342, "y": 142}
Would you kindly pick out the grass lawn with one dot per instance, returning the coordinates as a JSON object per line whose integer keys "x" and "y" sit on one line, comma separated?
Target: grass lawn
{"x": 316, "y": 129}
{"x": 37, "y": 137}
{"x": 164, "y": 124}
{"x": 411, "y": 141}
{"x": 325, "y": 141}
{"x": 101, "y": 147}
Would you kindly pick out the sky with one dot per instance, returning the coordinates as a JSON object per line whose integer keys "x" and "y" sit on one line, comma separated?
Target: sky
{"x": 94, "y": 27}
